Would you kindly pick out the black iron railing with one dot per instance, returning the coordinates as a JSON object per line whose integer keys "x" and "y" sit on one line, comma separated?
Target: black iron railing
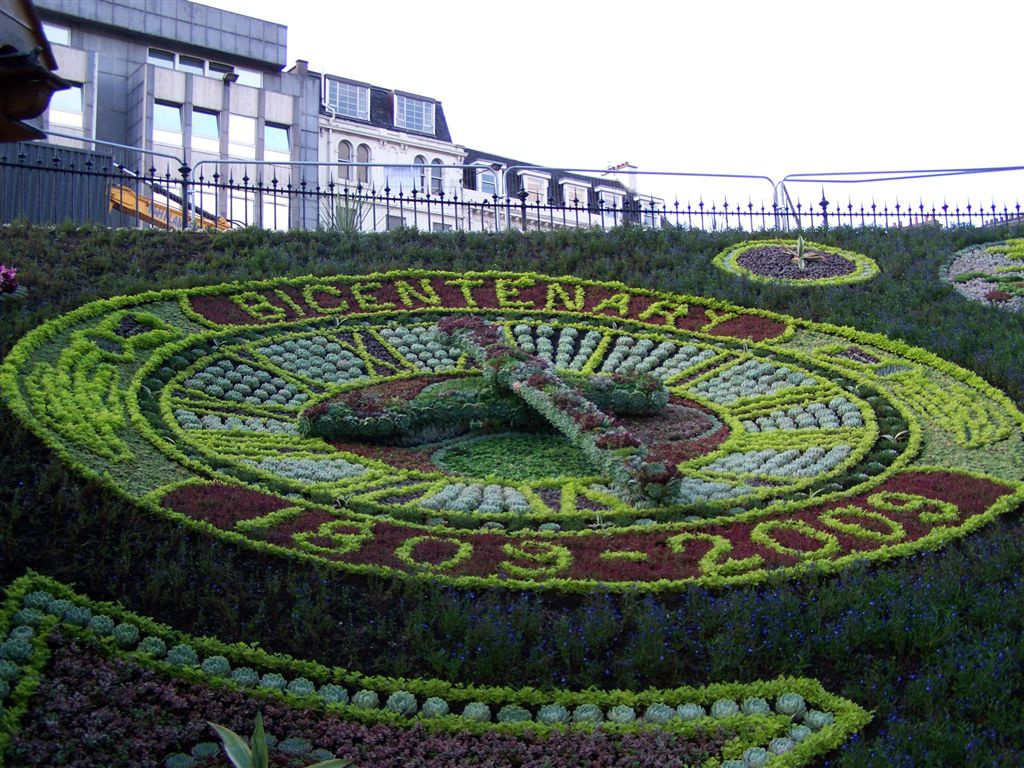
{"x": 46, "y": 184}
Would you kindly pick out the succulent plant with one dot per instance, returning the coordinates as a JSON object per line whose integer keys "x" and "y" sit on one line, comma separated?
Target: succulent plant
{"x": 724, "y": 708}
{"x": 513, "y": 713}
{"x": 690, "y": 711}
{"x": 756, "y": 757}
{"x": 126, "y": 635}
{"x": 216, "y": 666}
{"x": 78, "y": 615}
{"x": 273, "y": 680}
{"x": 101, "y": 625}
{"x": 621, "y": 713}
{"x": 39, "y": 600}
{"x": 58, "y": 607}
{"x": 245, "y": 676}
{"x": 183, "y": 655}
{"x": 815, "y": 719}
{"x": 435, "y": 706}
{"x": 9, "y": 670}
{"x": 300, "y": 686}
{"x": 659, "y": 713}
{"x": 295, "y": 746}
{"x": 22, "y": 632}
{"x": 204, "y": 750}
{"x": 477, "y": 711}
{"x": 154, "y": 646}
{"x": 781, "y": 745}
{"x": 799, "y": 732}
{"x": 791, "y": 704}
{"x": 366, "y": 698}
{"x": 5, "y": 689}
{"x": 402, "y": 702}
{"x": 30, "y": 617}
{"x": 333, "y": 694}
{"x": 755, "y": 705}
{"x": 16, "y": 649}
{"x": 179, "y": 760}
{"x": 553, "y": 714}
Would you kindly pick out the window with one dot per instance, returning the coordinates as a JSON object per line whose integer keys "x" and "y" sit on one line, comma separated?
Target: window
{"x": 160, "y": 58}
{"x": 205, "y": 131}
{"x": 219, "y": 70}
{"x": 436, "y": 176}
{"x": 574, "y": 195}
{"x": 192, "y": 65}
{"x": 57, "y": 34}
{"x": 536, "y": 189}
{"x": 487, "y": 182}
{"x": 167, "y": 124}
{"x": 414, "y": 114}
{"x": 66, "y": 108}
{"x": 363, "y": 156}
{"x": 249, "y": 77}
{"x": 242, "y": 137}
{"x": 348, "y": 99}
{"x": 275, "y": 211}
{"x": 420, "y": 160}
{"x": 275, "y": 143}
{"x": 344, "y": 156}
{"x": 242, "y": 206}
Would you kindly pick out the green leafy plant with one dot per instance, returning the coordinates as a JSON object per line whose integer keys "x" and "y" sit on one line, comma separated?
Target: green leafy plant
{"x": 255, "y": 753}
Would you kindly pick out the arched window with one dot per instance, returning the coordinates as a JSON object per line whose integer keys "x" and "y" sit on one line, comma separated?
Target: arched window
{"x": 344, "y": 156}
{"x": 436, "y": 176}
{"x": 422, "y": 172}
{"x": 363, "y": 156}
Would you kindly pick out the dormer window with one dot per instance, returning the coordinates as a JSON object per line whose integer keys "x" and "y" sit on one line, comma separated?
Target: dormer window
{"x": 414, "y": 114}
{"x": 348, "y": 99}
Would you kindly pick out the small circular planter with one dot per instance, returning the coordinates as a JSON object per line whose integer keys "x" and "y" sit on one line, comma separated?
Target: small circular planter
{"x": 781, "y": 261}
{"x": 991, "y": 274}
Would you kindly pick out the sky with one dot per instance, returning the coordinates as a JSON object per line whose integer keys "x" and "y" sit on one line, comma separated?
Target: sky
{"x": 739, "y": 87}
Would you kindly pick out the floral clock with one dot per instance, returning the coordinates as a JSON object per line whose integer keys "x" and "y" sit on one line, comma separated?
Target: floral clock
{"x": 519, "y": 430}
{"x": 795, "y": 262}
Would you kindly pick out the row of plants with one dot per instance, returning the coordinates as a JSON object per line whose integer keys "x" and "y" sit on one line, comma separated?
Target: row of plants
{"x": 794, "y": 726}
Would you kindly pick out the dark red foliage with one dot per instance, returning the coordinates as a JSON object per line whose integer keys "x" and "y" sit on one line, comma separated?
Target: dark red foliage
{"x": 753, "y": 327}
{"x": 222, "y": 505}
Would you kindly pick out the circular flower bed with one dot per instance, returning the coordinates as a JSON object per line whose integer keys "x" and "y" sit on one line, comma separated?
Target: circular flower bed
{"x": 795, "y": 262}
{"x": 992, "y": 274}
{"x": 519, "y": 430}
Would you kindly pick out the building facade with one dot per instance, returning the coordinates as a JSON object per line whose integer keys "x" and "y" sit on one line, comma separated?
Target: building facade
{"x": 190, "y": 85}
{"x": 226, "y": 136}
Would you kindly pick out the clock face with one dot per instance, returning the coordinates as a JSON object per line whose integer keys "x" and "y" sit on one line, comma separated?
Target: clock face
{"x": 791, "y": 445}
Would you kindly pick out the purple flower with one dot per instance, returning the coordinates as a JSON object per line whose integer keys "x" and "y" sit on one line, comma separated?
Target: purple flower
{"x": 8, "y": 279}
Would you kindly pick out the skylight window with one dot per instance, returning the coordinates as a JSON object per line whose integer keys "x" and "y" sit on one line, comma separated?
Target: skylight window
{"x": 348, "y": 99}
{"x": 414, "y": 114}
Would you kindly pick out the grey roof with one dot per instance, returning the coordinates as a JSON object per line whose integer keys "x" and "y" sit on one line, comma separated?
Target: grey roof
{"x": 486, "y": 158}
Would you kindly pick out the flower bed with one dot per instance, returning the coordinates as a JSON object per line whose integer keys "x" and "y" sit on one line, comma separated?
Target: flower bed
{"x": 991, "y": 274}
{"x": 799, "y": 445}
{"x": 793, "y": 262}
{"x": 127, "y": 670}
